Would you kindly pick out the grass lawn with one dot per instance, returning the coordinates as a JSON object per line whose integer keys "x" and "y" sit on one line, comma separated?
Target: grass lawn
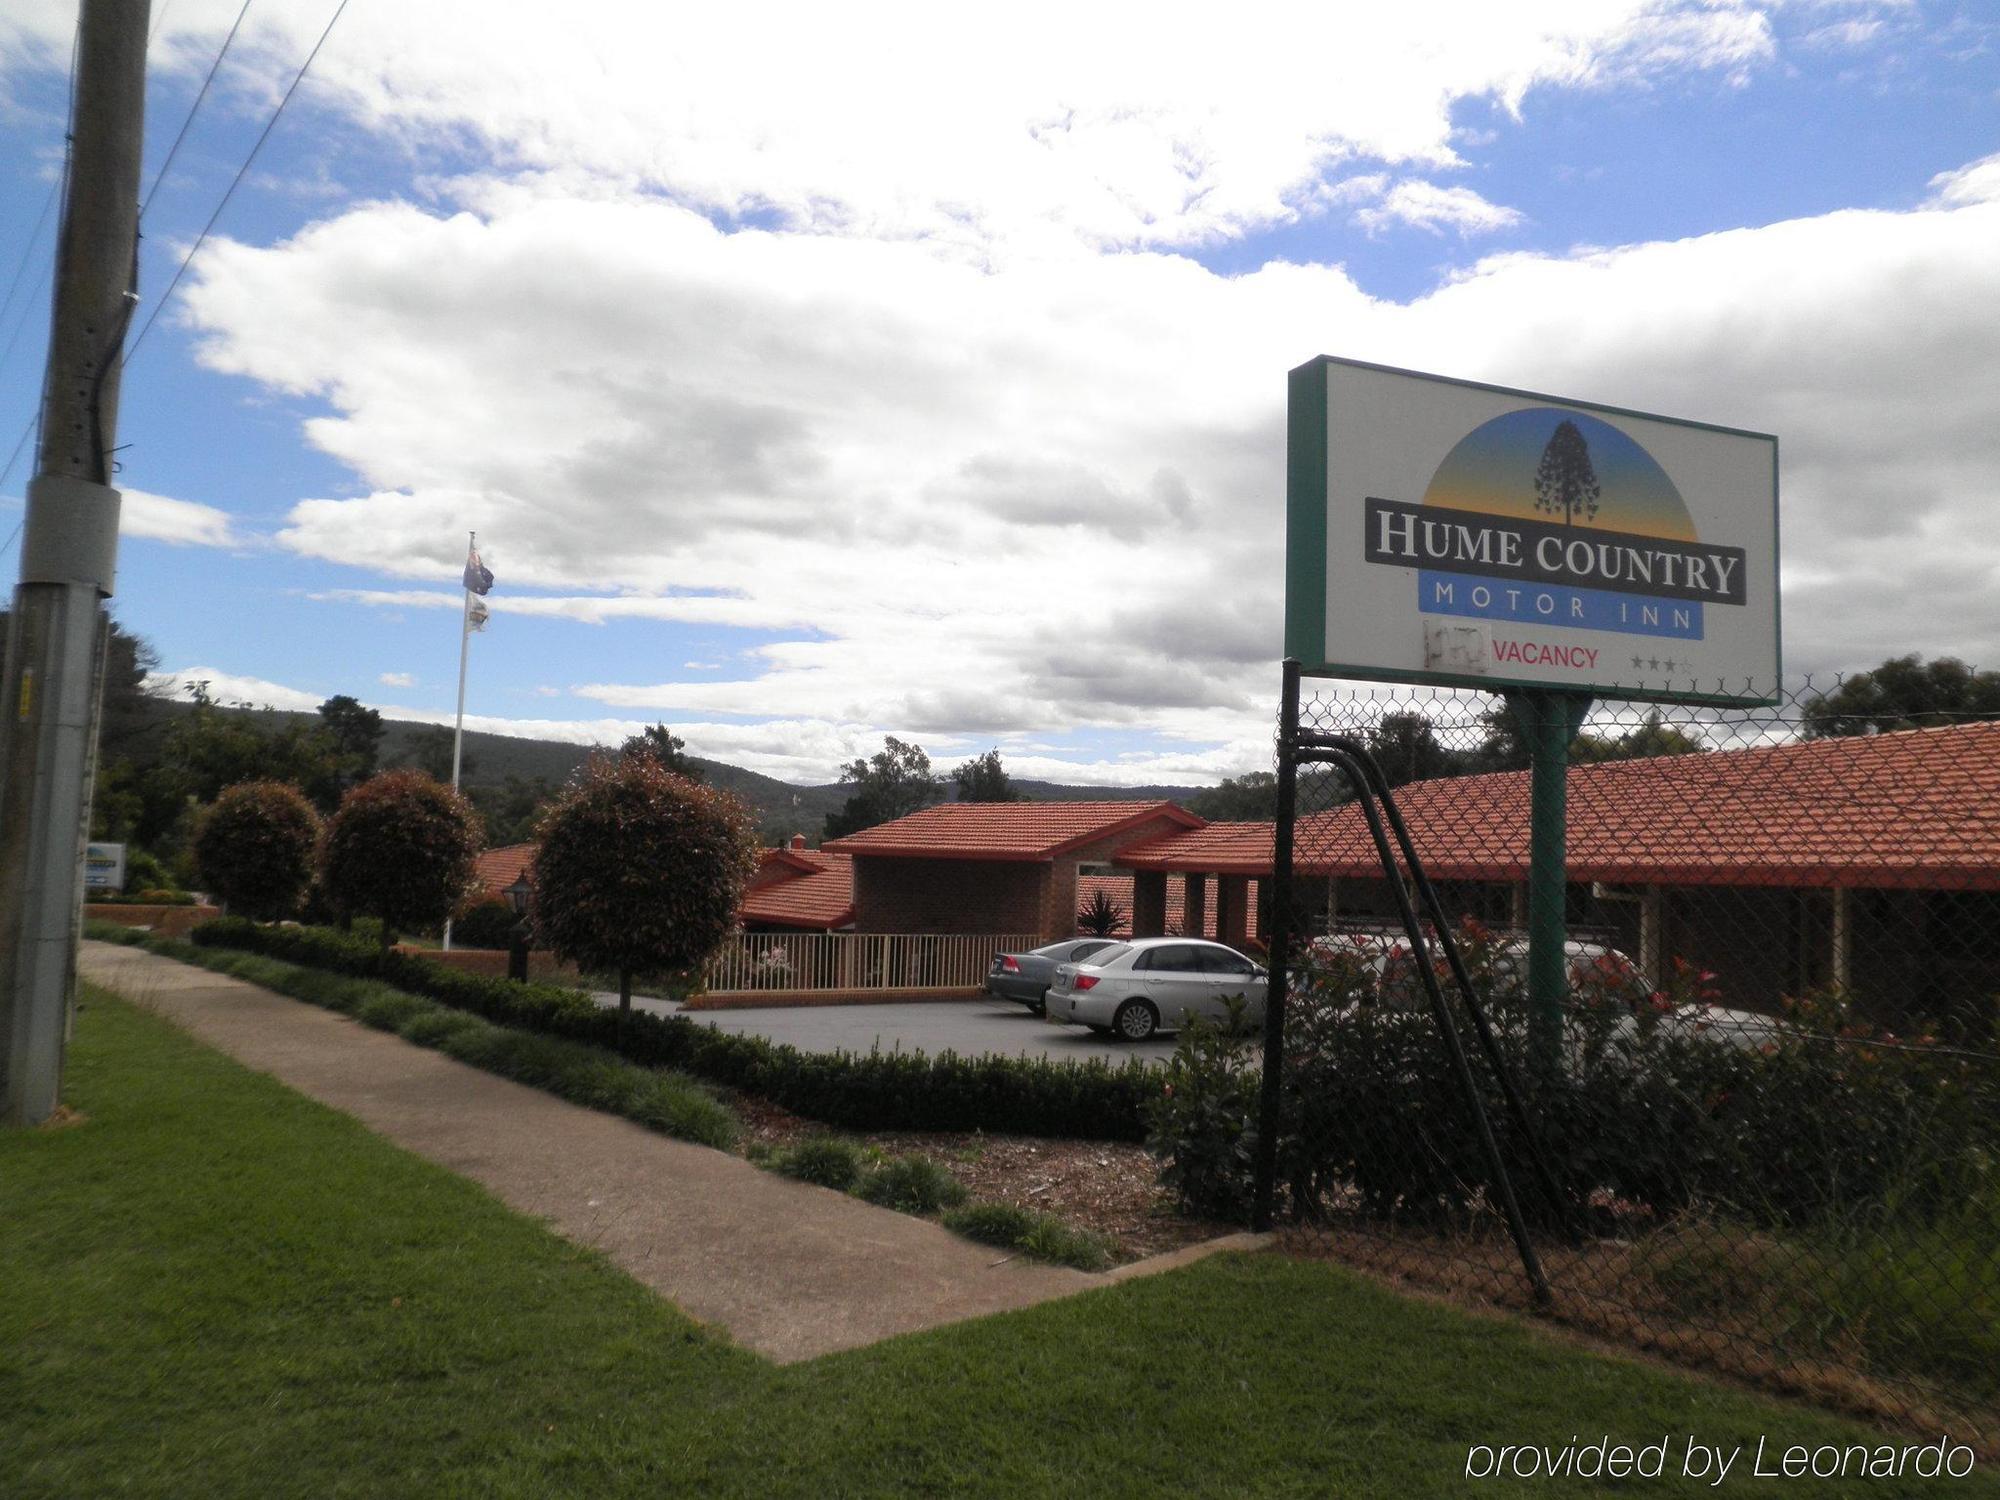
{"x": 213, "y": 1286}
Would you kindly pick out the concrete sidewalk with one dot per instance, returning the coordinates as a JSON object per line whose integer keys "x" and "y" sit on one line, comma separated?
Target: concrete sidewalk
{"x": 786, "y": 1269}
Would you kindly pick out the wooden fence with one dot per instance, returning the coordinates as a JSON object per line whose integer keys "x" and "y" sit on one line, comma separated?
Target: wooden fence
{"x": 860, "y": 960}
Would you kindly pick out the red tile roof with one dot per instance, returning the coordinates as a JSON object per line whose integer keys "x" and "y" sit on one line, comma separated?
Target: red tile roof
{"x": 805, "y": 887}
{"x": 1917, "y": 808}
{"x": 496, "y": 869}
{"x": 1015, "y": 831}
{"x": 820, "y": 896}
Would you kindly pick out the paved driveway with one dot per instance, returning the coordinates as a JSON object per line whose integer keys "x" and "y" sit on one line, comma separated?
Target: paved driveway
{"x": 972, "y": 1028}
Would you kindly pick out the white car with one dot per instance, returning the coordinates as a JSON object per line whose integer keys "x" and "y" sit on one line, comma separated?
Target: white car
{"x": 1153, "y": 984}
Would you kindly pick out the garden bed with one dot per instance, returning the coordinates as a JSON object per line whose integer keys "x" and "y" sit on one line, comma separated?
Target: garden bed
{"x": 1110, "y": 1188}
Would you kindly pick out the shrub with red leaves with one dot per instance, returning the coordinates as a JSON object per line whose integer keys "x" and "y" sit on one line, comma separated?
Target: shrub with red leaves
{"x": 639, "y": 870}
{"x": 400, "y": 848}
{"x": 254, "y": 848}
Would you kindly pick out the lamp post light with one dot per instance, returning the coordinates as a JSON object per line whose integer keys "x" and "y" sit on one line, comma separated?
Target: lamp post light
{"x": 517, "y": 942}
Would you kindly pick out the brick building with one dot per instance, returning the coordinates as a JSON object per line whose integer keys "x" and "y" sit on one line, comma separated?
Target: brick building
{"x": 993, "y": 866}
{"x": 1868, "y": 864}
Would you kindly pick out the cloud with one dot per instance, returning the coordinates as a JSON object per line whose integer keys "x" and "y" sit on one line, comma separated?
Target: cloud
{"x": 693, "y": 609}
{"x": 1976, "y": 182}
{"x": 1036, "y": 496}
{"x": 803, "y": 751}
{"x": 1068, "y": 128}
{"x": 1427, "y": 206}
{"x": 713, "y": 337}
{"x": 232, "y": 689}
{"x": 1843, "y": 36}
{"x": 398, "y": 679}
{"x": 182, "y": 522}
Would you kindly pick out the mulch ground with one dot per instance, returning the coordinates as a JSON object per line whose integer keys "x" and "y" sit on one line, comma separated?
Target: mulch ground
{"x": 1107, "y": 1187}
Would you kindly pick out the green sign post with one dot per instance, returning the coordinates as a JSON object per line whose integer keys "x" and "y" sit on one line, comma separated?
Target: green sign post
{"x": 1549, "y": 722}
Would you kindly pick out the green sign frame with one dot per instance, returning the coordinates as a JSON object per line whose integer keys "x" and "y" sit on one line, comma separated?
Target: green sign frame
{"x": 1313, "y": 573}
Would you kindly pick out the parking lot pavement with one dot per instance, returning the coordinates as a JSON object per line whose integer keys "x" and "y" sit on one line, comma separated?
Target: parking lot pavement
{"x": 971, "y": 1028}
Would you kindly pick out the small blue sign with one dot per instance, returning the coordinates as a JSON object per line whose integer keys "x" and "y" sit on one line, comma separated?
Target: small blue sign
{"x": 1556, "y": 605}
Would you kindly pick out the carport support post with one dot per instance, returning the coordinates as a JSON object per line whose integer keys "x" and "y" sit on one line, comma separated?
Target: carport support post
{"x": 1280, "y": 940}
{"x": 1549, "y": 721}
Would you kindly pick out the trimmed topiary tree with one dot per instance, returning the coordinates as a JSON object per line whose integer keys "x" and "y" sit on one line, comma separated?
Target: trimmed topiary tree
{"x": 401, "y": 849}
{"x": 639, "y": 871}
{"x": 254, "y": 847}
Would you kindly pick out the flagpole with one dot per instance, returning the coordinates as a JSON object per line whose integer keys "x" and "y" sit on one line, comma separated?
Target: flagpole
{"x": 458, "y": 732}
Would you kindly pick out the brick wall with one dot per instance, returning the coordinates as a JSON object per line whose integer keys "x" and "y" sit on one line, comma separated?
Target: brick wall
{"x": 948, "y": 895}
{"x": 963, "y": 895}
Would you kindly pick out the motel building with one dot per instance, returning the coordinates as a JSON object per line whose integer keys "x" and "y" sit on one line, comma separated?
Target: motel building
{"x": 1868, "y": 864}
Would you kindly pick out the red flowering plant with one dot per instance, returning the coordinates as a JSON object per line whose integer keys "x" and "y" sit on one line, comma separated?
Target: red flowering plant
{"x": 639, "y": 871}
{"x": 254, "y": 848}
{"x": 400, "y": 848}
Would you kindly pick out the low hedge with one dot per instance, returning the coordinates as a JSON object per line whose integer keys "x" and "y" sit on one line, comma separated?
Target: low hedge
{"x": 665, "y": 1101}
{"x": 872, "y": 1091}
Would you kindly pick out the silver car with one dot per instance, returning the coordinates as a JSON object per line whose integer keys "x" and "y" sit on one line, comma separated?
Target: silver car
{"x": 1152, "y": 984}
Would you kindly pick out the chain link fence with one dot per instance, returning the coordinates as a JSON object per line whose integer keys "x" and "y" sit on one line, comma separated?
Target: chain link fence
{"x": 1759, "y": 1127}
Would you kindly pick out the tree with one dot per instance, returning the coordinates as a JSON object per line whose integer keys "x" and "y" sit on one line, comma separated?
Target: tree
{"x": 211, "y": 746}
{"x": 401, "y": 849}
{"x": 640, "y": 871}
{"x": 893, "y": 783}
{"x": 1565, "y": 482}
{"x": 511, "y": 810}
{"x": 984, "y": 779}
{"x": 429, "y": 751}
{"x": 1406, "y": 746}
{"x": 664, "y": 746}
{"x": 1249, "y": 798}
{"x": 1905, "y": 692}
{"x": 254, "y": 848}
{"x": 1100, "y": 916}
{"x": 356, "y": 733}
{"x": 1505, "y": 747}
{"x": 1652, "y": 736}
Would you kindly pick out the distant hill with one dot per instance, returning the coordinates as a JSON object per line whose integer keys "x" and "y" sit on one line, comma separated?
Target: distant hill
{"x": 782, "y": 807}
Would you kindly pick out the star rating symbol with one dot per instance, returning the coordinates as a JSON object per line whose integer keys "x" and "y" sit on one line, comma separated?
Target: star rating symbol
{"x": 1638, "y": 661}
{"x": 1653, "y": 663}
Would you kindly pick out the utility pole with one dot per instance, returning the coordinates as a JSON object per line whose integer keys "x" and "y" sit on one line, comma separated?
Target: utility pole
{"x": 53, "y": 685}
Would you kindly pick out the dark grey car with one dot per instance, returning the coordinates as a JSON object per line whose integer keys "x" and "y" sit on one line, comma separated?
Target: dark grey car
{"x": 1025, "y": 977}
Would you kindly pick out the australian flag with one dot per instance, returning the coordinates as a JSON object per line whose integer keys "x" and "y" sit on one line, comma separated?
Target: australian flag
{"x": 478, "y": 577}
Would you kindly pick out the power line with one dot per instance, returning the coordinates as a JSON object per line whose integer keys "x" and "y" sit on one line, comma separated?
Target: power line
{"x": 193, "y": 110}
{"x": 22, "y": 321}
{"x": 59, "y": 188}
{"x": 15, "y": 457}
{"x": 235, "y": 182}
{"x": 28, "y": 250}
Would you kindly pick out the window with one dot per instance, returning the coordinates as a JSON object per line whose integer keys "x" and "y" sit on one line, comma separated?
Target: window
{"x": 1179, "y": 957}
{"x": 1224, "y": 961}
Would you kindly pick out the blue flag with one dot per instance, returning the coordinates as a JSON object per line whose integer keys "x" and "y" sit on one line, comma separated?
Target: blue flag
{"x": 478, "y": 577}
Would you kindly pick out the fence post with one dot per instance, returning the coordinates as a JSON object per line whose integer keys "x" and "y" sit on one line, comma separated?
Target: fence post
{"x": 1279, "y": 938}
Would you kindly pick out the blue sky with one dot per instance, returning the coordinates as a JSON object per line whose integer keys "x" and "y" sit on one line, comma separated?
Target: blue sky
{"x": 808, "y": 383}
